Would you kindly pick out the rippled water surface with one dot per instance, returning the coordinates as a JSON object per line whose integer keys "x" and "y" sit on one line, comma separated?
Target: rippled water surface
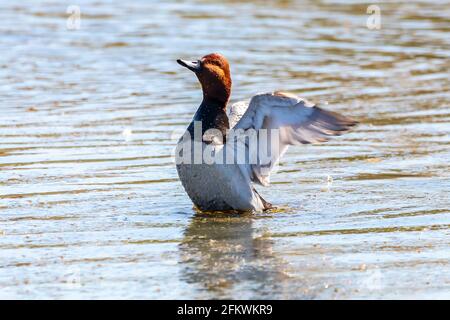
{"x": 90, "y": 203}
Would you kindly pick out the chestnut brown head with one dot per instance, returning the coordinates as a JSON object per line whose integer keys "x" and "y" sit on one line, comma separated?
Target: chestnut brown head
{"x": 213, "y": 72}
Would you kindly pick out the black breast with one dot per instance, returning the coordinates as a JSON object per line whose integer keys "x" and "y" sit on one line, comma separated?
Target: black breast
{"x": 211, "y": 116}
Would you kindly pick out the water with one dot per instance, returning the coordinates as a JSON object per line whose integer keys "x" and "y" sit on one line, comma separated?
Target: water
{"x": 90, "y": 203}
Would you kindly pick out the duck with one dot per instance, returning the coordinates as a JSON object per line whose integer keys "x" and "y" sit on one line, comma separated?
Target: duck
{"x": 227, "y": 150}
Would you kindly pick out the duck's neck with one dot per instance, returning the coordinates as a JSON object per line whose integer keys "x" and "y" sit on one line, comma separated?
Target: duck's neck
{"x": 212, "y": 114}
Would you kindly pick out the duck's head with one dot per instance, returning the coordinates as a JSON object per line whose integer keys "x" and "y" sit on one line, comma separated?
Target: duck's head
{"x": 213, "y": 72}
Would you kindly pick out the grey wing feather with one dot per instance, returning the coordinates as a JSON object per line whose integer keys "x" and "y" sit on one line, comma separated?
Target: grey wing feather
{"x": 296, "y": 120}
{"x": 236, "y": 112}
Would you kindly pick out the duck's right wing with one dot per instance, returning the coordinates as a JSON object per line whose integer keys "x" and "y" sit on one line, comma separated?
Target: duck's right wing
{"x": 295, "y": 120}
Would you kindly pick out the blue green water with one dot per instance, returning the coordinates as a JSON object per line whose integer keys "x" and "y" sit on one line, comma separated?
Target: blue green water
{"x": 90, "y": 203}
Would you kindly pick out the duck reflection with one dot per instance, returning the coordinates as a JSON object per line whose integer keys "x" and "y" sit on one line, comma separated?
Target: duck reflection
{"x": 222, "y": 255}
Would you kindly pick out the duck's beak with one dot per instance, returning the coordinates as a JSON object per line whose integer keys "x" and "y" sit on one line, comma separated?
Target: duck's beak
{"x": 191, "y": 65}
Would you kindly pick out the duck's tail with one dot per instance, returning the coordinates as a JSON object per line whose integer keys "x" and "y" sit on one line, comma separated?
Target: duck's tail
{"x": 267, "y": 205}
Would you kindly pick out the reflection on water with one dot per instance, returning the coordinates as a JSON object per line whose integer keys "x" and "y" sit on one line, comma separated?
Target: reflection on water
{"x": 222, "y": 256}
{"x": 90, "y": 202}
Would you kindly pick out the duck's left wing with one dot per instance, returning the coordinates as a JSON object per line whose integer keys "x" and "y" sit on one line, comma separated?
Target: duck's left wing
{"x": 295, "y": 120}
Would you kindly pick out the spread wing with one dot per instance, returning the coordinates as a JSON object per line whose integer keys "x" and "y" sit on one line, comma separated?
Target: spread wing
{"x": 297, "y": 121}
